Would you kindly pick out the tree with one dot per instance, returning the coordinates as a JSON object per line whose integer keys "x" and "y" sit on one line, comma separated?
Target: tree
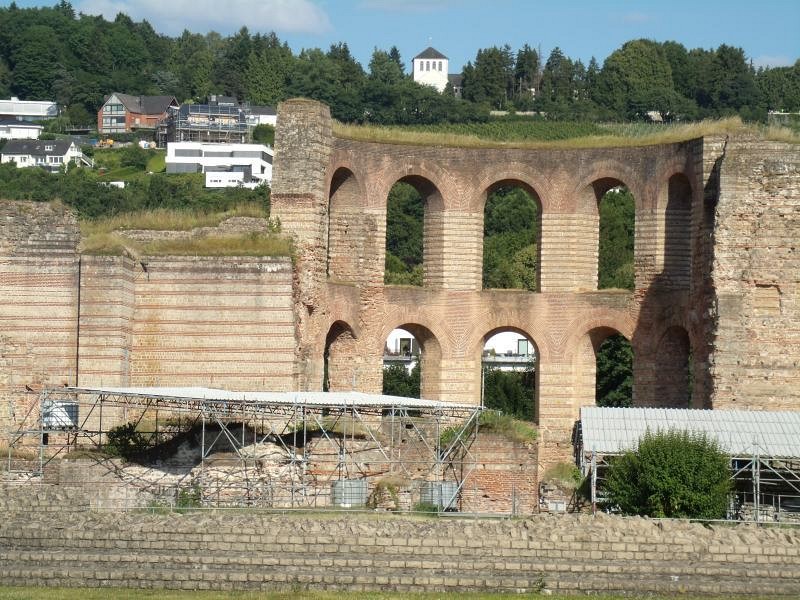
{"x": 404, "y": 212}
{"x": 673, "y": 474}
{"x": 511, "y": 392}
{"x": 510, "y": 251}
{"x": 614, "y": 378}
{"x": 637, "y": 79}
{"x": 491, "y": 79}
{"x": 383, "y": 68}
{"x": 397, "y": 381}
{"x": 617, "y": 223}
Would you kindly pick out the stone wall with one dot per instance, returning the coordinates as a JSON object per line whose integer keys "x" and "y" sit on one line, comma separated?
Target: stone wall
{"x": 70, "y": 318}
{"x": 201, "y": 550}
{"x": 755, "y": 361}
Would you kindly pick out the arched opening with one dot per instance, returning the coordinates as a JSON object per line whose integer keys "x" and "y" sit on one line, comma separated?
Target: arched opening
{"x": 610, "y": 214}
{"x": 509, "y": 380}
{"x": 604, "y": 369}
{"x": 412, "y": 362}
{"x": 512, "y": 228}
{"x": 617, "y": 213}
{"x": 614, "y": 372}
{"x": 401, "y": 365}
{"x": 345, "y": 219}
{"x": 413, "y": 233}
{"x": 673, "y": 366}
{"x": 340, "y": 372}
{"x": 678, "y": 232}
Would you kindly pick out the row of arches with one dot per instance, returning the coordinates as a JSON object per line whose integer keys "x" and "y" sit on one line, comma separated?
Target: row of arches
{"x": 509, "y": 367}
{"x": 511, "y": 215}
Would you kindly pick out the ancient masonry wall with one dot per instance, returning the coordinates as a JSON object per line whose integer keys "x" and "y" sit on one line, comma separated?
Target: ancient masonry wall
{"x": 755, "y": 361}
{"x": 257, "y": 551}
{"x": 713, "y": 316}
{"x": 67, "y": 318}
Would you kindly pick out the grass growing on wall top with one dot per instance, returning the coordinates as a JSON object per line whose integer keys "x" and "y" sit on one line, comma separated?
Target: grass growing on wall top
{"x": 250, "y": 244}
{"x": 166, "y": 219}
{"x": 557, "y": 135}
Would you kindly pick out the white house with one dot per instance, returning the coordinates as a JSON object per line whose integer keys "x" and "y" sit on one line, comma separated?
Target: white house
{"x": 225, "y": 165}
{"x": 27, "y": 110}
{"x": 429, "y": 67}
{"x": 11, "y": 129}
{"x": 261, "y": 115}
{"x": 50, "y": 154}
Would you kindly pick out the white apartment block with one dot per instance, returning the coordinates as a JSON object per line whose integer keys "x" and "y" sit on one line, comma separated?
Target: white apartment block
{"x": 225, "y": 165}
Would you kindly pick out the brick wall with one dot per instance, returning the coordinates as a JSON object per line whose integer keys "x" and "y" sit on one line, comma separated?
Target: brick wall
{"x": 259, "y": 551}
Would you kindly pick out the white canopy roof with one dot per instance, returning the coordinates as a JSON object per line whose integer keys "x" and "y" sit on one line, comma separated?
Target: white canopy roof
{"x": 740, "y": 433}
{"x": 321, "y": 399}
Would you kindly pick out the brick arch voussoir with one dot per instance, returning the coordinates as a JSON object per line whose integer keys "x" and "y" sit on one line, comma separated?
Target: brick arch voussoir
{"x": 473, "y": 339}
{"x": 618, "y": 320}
{"x": 664, "y": 326}
{"x": 514, "y": 171}
{"x": 399, "y": 317}
{"x": 613, "y": 169}
{"x": 676, "y": 166}
{"x": 444, "y": 182}
{"x": 344, "y": 161}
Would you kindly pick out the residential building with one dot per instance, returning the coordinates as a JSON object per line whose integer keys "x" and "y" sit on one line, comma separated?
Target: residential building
{"x": 225, "y": 165}
{"x": 429, "y": 67}
{"x": 261, "y": 115}
{"x": 11, "y": 129}
{"x": 122, "y": 113}
{"x": 27, "y": 110}
{"x": 204, "y": 123}
{"x": 50, "y": 154}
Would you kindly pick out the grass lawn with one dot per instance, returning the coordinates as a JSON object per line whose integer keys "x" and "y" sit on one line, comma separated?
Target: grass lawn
{"x": 32, "y": 593}
{"x": 157, "y": 162}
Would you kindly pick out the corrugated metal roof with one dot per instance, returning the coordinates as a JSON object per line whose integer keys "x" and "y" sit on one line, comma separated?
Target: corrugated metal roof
{"x": 321, "y": 399}
{"x": 740, "y": 433}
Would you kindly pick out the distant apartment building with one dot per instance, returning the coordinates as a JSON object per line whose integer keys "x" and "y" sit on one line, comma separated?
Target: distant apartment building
{"x": 123, "y": 113}
{"x": 225, "y": 165}
{"x": 27, "y": 110}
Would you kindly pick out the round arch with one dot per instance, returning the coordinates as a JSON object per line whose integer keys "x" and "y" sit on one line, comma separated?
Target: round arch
{"x": 433, "y": 224}
{"x": 430, "y": 357}
{"x": 339, "y": 370}
{"x": 511, "y": 266}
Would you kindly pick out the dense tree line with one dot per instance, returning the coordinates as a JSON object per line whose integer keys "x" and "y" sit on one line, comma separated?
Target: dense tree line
{"x": 76, "y": 59}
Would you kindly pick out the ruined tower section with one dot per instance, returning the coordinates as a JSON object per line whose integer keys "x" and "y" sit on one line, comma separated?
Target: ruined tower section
{"x": 755, "y": 275}
{"x": 39, "y": 288}
{"x": 299, "y": 199}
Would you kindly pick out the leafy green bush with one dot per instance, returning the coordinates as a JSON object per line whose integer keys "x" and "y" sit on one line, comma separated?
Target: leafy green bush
{"x": 428, "y": 508}
{"x": 674, "y": 474}
{"x": 124, "y": 441}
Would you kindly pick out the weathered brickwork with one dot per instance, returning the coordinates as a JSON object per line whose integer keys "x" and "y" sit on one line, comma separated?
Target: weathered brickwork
{"x": 706, "y": 290}
{"x": 268, "y": 552}
{"x": 67, "y": 318}
{"x": 716, "y": 281}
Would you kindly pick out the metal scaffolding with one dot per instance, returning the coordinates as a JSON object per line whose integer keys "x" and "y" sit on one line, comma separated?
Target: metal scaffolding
{"x": 314, "y": 439}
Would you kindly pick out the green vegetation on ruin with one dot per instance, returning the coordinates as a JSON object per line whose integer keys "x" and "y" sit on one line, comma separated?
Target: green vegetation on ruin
{"x": 533, "y": 133}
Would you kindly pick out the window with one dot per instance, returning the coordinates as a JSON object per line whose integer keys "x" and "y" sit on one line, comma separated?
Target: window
{"x": 440, "y": 65}
{"x": 48, "y": 148}
{"x": 427, "y": 65}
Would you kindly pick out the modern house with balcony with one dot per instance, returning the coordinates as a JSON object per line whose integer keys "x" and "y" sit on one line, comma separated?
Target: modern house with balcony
{"x": 122, "y": 113}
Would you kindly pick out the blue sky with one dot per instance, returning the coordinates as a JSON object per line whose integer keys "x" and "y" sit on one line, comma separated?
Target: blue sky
{"x": 768, "y": 30}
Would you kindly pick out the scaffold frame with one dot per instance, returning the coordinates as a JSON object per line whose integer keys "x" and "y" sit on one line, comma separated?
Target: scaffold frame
{"x": 241, "y": 421}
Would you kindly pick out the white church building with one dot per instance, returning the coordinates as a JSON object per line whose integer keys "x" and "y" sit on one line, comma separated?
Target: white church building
{"x": 429, "y": 67}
